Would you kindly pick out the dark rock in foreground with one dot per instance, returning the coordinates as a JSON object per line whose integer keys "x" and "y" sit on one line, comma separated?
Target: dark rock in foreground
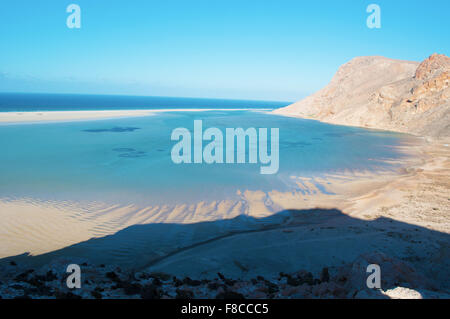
{"x": 399, "y": 279}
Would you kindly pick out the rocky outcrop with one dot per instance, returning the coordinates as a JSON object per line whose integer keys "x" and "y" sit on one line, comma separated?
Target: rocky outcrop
{"x": 383, "y": 93}
{"x": 398, "y": 280}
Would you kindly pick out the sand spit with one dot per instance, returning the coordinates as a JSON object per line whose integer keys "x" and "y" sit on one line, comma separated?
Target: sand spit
{"x": 69, "y": 116}
{"x": 61, "y": 116}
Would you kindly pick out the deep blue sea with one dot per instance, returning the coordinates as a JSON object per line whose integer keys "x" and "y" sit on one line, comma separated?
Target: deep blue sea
{"x": 128, "y": 160}
{"x": 22, "y": 102}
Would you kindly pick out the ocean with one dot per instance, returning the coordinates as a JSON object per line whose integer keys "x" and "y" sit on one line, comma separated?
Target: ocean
{"x": 23, "y": 102}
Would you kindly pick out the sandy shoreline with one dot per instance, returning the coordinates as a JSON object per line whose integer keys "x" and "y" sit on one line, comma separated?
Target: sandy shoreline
{"x": 68, "y": 116}
{"x": 365, "y": 195}
{"x": 403, "y": 215}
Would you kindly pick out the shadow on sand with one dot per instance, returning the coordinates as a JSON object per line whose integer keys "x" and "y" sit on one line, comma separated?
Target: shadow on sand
{"x": 244, "y": 247}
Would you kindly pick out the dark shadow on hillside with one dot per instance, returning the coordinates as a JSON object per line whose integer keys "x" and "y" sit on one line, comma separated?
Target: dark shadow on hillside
{"x": 246, "y": 247}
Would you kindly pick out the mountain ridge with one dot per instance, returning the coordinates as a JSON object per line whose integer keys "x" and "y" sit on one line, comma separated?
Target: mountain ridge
{"x": 383, "y": 93}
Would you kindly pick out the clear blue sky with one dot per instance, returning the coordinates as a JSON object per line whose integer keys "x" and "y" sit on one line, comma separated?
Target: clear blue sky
{"x": 251, "y": 49}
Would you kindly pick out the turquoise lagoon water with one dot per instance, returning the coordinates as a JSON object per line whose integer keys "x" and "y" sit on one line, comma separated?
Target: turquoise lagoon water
{"x": 128, "y": 160}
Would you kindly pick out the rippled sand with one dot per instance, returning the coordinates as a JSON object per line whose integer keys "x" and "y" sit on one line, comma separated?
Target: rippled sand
{"x": 195, "y": 238}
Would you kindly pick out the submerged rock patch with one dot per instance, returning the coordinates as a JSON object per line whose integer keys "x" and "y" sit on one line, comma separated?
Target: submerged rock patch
{"x": 123, "y": 149}
{"x": 116, "y": 129}
{"x": 133, "y": 154}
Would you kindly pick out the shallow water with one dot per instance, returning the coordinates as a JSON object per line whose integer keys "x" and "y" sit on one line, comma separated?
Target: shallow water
{"x": 128, "y": 160}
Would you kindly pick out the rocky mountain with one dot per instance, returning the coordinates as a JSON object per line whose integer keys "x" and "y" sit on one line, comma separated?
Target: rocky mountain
{"x": 383, "y": 93}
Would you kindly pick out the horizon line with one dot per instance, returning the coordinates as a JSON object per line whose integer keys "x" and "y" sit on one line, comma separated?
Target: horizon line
{"x": 148, "y": 96}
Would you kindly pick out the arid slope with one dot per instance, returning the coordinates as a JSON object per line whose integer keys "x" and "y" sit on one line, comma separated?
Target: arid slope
{"x": 383, "y": 93}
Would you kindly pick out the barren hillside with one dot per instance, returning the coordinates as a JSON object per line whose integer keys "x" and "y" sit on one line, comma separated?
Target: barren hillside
{"x": 383, "y": 93}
